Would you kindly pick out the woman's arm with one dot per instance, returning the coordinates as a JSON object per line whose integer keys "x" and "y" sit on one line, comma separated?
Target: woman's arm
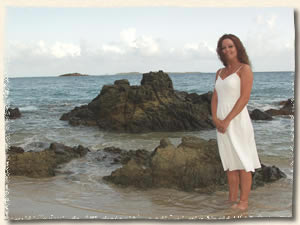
{"x": 246, "y": 86}
{"x": 214, "y": 104}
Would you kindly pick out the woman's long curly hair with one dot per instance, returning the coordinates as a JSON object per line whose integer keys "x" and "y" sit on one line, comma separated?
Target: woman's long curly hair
{"x": 241, "y": 51}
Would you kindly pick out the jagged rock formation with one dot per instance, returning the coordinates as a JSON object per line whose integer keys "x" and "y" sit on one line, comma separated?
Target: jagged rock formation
{"x": 152, "y": 106}
{"x": 193, "y": 165}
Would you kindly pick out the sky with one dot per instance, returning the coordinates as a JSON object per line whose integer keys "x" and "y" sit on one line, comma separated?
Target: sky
{"x": 44, "y": 41}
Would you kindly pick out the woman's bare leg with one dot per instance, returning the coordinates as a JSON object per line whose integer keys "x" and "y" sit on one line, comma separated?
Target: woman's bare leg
{"x": 246, "y": 182}
{"x": 233, "y": 183}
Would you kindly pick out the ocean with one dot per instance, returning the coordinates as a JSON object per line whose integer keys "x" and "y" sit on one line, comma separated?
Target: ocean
{"x": 81, "y": 193}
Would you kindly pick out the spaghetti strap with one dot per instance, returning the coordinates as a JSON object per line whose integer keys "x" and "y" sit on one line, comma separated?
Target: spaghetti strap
{"x": 239, "y": 68}
{"x": 221, "y": 70}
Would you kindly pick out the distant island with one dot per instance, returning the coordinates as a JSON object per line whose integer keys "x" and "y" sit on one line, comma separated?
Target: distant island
{"x": 72, "y": 75}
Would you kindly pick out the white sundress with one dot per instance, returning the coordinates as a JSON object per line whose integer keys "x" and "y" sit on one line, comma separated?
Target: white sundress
{"x": 237, "y": 146}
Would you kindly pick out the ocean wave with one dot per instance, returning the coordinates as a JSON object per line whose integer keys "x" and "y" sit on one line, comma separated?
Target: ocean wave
{"x": 29, "y": 108}
{"x": 263, "y": 106}
{"x": 36, "y": 146}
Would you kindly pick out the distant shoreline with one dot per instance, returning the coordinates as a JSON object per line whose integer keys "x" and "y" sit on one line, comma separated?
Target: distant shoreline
{"x": 138, "y": 73}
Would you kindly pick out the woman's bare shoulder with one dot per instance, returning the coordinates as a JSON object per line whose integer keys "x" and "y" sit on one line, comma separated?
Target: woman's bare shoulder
{"x": 218, "y": 72}
{"x": 245, "y": 69}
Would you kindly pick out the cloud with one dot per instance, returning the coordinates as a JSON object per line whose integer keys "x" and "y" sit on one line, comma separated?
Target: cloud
{"x": 128, "y": 36}
{"x": 148, "y": 45}
{"x": 200, "y": 49}
{"x": 267, "y": 47}
{"x": 269, "y": 21}
{"x": 131, "y": 51}
{"x": 112, "y": 48}
{"x": 42, "y": 49}
{"x": 143, "y": 44}
{"x": 60, "y": 50}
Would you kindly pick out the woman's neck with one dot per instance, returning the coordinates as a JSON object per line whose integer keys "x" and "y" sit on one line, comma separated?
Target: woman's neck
{"x": 233, "y": 64}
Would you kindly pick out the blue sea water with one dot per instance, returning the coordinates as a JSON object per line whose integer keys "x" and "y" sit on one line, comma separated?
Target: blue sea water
{"x": 42, "y": 101}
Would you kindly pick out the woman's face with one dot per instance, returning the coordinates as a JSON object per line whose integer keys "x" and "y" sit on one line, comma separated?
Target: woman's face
{"x": 229, "y": 50}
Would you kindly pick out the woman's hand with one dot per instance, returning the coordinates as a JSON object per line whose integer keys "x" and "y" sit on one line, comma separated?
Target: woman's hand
{"x": 223, "y": 125}
{"x": 218, "y": 124}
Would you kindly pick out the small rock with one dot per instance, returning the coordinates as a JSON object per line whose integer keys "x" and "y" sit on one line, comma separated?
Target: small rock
{"x": 15, "y": 149}
{"x": 12, "y": 113}
{"x": 286, "y": 109}
{"x": 43, "y": 163}
{"x": 256, "y": 114}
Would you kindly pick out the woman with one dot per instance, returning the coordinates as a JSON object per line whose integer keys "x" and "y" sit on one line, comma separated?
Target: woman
{"x": 235, "y": 134}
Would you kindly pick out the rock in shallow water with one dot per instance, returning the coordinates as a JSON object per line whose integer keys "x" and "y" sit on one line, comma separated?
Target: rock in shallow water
{"x": 124, "y": 156}
{"x": 193, "y": 165}
{"x": 286, "y": 109}
{"x": 266, "y": 174}
{"x": 256, "y": 114}
{"x": 41, "y": 164}
{"x": 12, "y": 113}
{"x": 15, "y": 149}
{"x": 152, "y": 106}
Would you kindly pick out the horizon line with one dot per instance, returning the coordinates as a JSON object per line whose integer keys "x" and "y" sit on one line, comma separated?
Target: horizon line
{"x": 138, "y": 73}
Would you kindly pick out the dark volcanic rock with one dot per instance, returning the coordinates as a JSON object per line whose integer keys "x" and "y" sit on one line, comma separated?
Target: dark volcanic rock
{"x": 288, "y": 104}
{"x": 286, "y": 109}
{"x": 41, "y": 164}
{"x": 65, "y": 153}
{"x": 152, "y": 106}
{"x": 12, "y": 113}
{"x": 266, "y": 174}
{"x": 15, "y": 149}
{"x": 256, "y": 114}
{"x": 186, "y": 167}
{"x": 271, "y": 173}
{"x": 124, "y": 156}
{"x": 193, "y": 165}
{"x": 80, "y": 116}
{"x": 200, "y": 99}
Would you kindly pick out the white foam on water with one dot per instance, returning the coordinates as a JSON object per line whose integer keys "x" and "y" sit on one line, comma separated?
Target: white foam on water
{"x": 263, "y": 106}
{"x": 33, "y": 143}
{"x": 29, "y": 108}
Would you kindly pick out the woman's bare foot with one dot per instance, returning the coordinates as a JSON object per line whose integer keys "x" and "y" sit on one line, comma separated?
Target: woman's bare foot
{"x": 242, "y": 205}
{"x": 234, "y": 206}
